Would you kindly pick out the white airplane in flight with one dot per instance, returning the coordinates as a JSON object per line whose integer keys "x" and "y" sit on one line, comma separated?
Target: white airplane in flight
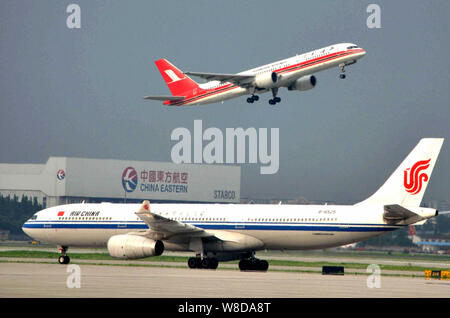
{"x": 294, "y": 73}
{"x": 221, "y": 232}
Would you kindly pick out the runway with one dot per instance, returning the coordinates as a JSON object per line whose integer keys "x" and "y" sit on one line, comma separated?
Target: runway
{"x": 54, "y": 280}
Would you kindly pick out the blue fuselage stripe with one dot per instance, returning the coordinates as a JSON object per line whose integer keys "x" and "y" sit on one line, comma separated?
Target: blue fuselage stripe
{"x": 220, "y": 226}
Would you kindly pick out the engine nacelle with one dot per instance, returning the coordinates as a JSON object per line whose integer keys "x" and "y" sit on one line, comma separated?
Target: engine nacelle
{"x": 133, "y": 246}
{"x": 266, "y": 80}
{"x": 303, "y": 83}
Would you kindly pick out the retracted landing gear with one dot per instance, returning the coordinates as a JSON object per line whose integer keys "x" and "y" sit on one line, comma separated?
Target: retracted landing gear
{"x": 253, "y": 98}
{"x": 253, "y": 264}
{"x": 204, "y": 263}
{"x": 64, "y": 258}
{"x": 275, "y": 98}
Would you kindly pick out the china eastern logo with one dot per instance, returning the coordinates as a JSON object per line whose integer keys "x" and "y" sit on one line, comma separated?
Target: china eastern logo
{"x": 414, "y": 177}
{"x": 129, "y": 179}
{"x": 60, "y": 174}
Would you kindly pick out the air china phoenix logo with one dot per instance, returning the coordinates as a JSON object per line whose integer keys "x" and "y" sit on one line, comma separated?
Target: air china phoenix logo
{"x": 414, "y": 177}
{"x": 129, "y": 179}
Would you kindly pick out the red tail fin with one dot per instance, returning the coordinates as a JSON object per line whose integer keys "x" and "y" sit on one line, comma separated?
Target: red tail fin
{"x": 179, "y": 83}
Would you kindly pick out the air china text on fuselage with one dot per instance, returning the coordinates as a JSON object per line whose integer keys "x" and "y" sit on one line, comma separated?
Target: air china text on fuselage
{"x": 294, "y": 73}
{"x": 221, "y": 232}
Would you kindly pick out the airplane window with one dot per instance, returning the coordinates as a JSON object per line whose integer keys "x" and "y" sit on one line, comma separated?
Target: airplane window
{"x": 352, "y": 47}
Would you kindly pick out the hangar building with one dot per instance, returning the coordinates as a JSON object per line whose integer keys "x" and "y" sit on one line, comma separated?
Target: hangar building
{"x": 65, "y": 180}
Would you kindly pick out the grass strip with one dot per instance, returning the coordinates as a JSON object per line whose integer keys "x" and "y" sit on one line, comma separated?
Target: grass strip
{"x": 183, "y": 259}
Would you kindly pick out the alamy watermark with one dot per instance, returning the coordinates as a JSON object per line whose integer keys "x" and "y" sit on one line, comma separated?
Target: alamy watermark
{"x": 74, "y": 279}
{"x": 73, "y": 21}
{"x": 373, "y": 280}
{"x": 374, "y": 19}
{"x": 229, "y": 147}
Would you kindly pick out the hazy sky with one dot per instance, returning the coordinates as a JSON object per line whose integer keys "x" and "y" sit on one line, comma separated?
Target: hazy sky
{"x": 78, "y": 92}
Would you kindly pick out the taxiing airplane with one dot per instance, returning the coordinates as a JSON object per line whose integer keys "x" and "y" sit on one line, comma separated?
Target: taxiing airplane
{"x": 221, "y": 232}
{"x": 294, "y": 73}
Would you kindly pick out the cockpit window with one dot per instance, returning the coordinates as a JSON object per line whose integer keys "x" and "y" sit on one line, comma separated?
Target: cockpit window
{"x": 352, "y": 47}
{"x": 34, "y": 217}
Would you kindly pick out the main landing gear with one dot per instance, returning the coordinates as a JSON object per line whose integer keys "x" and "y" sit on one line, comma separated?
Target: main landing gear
{"x": 253, "y": 98}
{"x": 64, "y": 258}
{"x": 204, "y": 263}
{"x": 275, "y": 98}
{"x": 253, "y": 264}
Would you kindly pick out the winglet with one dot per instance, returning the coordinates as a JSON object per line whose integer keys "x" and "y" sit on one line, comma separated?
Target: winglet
{"x": 145, "y": 207}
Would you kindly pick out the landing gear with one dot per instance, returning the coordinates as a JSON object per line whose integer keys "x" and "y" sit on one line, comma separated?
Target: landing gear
{"x": 253, "y": 98}
{"x": 64, "y": 258}
{"x": 204, "y": 263}
{"x": 342, "y": 67}
{"x": 275, "y": 98}
{"x": 253, "y": 264}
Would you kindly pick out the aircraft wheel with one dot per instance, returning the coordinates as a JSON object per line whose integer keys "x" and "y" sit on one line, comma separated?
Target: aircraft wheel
{"x": 256, "y": 98}
{"x": 213, "y": 263}
{"x": 250, "y": 100}
{"x": 263, "y": 265}
{"x": 277, "y": 99}
{"x": 205, "y": 263}
{"x": 192, "y": 262}
{"x": 271, "y": 102}
{"x": 64, "y": 259}
{"x": 342, "y": 76}
{"x": 244, "y": 264}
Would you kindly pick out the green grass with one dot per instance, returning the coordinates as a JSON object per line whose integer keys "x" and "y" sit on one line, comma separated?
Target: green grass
{"x": 295, "y": 265}
{"x": 84, "y": 256}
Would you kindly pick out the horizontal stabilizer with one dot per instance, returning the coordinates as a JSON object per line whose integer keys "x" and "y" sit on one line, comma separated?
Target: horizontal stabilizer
{"x": 164, "y": 98}
{"x": 396, "y": 214}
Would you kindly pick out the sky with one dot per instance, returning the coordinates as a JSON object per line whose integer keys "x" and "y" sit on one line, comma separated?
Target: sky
{"x": 78, "y": 92}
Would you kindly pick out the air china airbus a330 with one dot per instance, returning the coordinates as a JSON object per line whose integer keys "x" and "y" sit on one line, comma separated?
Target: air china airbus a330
{"x": 294, "y": 73}
{"x": 221, "y": 232}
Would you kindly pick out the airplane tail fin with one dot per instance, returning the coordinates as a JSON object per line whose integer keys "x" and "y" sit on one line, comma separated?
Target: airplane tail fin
{"x": 407, "y": 185}
{"x": 178, "y": 82}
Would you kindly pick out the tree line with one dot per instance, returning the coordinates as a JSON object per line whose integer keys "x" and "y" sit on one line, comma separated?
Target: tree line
{"x": 14, "y": 213}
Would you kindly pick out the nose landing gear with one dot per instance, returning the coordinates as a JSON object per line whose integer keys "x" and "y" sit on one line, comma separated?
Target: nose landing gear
{"x": 342, "y": 67}
{"x": 64, "y": 258}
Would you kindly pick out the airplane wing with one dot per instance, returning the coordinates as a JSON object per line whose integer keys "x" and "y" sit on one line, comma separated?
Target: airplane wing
{"x": 238, "y": 79}
{"x": 162, "y": 227}
{"x": 164, "y": 98}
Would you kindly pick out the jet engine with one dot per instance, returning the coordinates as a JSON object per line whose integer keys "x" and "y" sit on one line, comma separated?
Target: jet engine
{"x": 266, "y": 80}
{"x": 303, "y": 83}
{"x": 133, "y": 246}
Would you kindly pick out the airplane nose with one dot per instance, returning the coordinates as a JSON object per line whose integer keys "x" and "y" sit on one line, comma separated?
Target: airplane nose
{"x": 25, "y": 229}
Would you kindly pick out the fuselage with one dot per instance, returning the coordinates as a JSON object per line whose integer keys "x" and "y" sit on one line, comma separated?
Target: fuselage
{"x": 289, "y": 70}
{"x": 277, "y": 226}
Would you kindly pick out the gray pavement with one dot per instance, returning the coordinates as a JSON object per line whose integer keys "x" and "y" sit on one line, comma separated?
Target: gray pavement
{"x": 51, "y": 280}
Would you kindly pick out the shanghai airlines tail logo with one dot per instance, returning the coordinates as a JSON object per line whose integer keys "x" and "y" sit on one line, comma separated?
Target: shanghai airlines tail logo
{"x": 414, "y": 177}
{"x": 173, "y": 76}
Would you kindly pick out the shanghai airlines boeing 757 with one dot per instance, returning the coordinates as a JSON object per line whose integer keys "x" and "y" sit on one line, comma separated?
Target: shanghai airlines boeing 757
{"x": 294, "y": 73}
{"x": 221, "y": 232}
